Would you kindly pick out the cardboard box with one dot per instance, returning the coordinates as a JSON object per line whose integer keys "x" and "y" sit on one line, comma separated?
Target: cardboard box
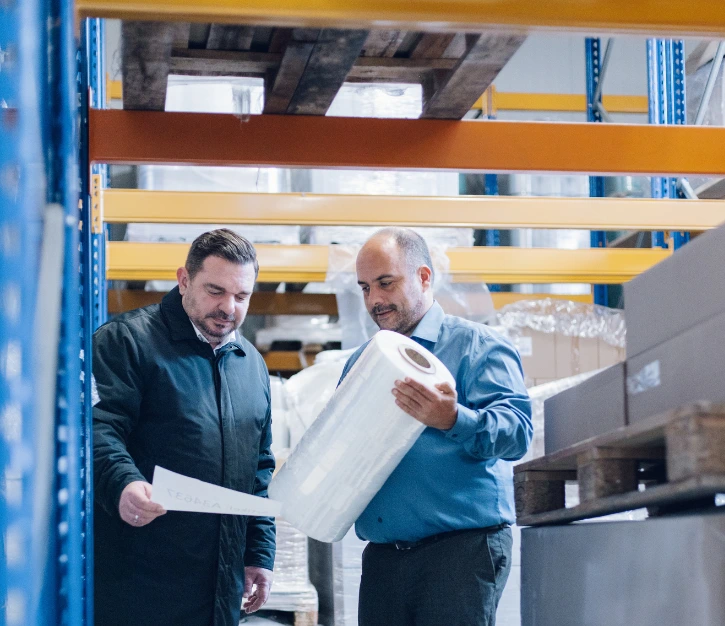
{"x": 552, "y": 356}
{"x": 593, "y": 407}
{"x": 676, "y": 294}
{"x": 688, "y": 368}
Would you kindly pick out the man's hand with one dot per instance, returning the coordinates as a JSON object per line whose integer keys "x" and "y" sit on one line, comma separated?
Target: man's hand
{"x": 135, "y": 506}
{"x": 257, "y": 584}
{"x": 437, "y": 408}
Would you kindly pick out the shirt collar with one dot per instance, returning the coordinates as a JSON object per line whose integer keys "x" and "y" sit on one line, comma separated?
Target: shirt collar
{"x": 430, "y": 325}
{"x": 228, "y": 339}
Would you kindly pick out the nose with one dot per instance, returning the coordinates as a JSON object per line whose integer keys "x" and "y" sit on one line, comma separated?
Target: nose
{"x": 226, "y": 305}
{"x": 375, "y": 297}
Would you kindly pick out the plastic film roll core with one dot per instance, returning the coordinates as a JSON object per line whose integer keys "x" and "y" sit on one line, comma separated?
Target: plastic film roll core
{"x": 416, "y": 359}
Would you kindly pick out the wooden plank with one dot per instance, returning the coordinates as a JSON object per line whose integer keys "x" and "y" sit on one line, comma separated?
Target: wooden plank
{"x": 647, "y": 432}
{"x": 146, "y": 53}
{"x": 331, "y": 60}
{"x": 262, "y": 302}
{"x": 451, "y": 95}
{"x": 281, "y": 84}
{"x": 215, "y": 62}
{"x": 653, "y": 496}
{"x": 230, "y": 37}
{"x": 432, "y": 46}
{"x": 382, "y": 43}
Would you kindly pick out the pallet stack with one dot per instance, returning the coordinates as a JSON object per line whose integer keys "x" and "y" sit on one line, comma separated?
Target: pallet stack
{"x": 648, "y": 433}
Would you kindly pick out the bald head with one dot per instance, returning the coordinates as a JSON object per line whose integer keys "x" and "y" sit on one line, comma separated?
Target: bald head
{"x": 394, "y": 271}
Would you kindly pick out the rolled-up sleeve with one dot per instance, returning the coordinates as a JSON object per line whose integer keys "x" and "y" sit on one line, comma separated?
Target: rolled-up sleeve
{"x": 494, "y": 413}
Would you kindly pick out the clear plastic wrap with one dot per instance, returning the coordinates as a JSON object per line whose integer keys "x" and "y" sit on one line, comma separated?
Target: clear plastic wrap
{"x": 470, "y": 300}
{"x": 280, "y": 421}
{"x": 357, "y": 441}
{"x": 572, "y": 319}
{"x": 292, "y": 589}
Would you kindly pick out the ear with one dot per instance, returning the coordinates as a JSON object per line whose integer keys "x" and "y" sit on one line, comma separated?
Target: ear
{"x": 182, "y": 276}
{"x": 426, "y": 277}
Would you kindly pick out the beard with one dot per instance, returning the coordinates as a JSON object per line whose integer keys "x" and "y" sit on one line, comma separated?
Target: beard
{"x": 399, "y": 320}
{"x": 207, "y": 326}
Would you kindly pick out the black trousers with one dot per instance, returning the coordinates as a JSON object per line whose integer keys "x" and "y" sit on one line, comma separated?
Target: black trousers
{"x": 456, "y": 581}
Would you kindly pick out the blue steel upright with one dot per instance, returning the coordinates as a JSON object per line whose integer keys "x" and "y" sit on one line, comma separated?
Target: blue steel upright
{"x": 667, "y": 105}
{"x": 63, "y": 190}
{"x": 598, "y": 238}
{"x": 22, "y": 178}
{"x": 92, "y": 92}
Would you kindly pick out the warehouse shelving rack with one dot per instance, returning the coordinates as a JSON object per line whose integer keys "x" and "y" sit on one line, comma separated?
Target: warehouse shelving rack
{"x": 40, "y": 136}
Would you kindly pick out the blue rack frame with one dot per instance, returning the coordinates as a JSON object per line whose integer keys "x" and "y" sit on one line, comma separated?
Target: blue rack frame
{"x": 21, "y": 204}
{"x": 598, "y": 238}
{"x": 93, "y": 298}
{"x": 62, "y": 167}
{"x": 667, "y": 105}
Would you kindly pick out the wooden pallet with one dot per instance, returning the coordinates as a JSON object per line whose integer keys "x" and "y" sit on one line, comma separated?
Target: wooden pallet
{"x": 305, "y": 618}
{"x": 658, "y": 463}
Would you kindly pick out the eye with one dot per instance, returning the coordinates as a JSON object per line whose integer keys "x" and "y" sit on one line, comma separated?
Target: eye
{"x": 385, "y": 285}
{"x": 214, "y": 292}
{"x": 240, "y": 298}
{"x": 365, "y": 288}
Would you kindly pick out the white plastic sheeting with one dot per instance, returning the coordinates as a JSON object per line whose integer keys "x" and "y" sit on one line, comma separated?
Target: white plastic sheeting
{"x": 357, "y": 441}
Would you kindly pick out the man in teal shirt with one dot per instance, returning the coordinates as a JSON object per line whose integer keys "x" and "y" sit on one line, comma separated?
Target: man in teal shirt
{"x": 440, "y": 542}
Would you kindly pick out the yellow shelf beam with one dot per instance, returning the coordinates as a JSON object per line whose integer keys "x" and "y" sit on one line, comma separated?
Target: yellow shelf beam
{"x": 267, "y": 303}
{"x": 496, "y": 212}
{"x": 571, "y": 103}
{"x": 696, "y": 17}
{"x": 308, "y": 263}
{"x": 335, "y": 142}
{"x": 510, "y": 101}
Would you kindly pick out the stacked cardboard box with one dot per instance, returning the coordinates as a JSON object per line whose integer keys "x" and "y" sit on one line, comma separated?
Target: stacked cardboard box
{"x": 675, "y": 349}
{"x": 676, "y": 337}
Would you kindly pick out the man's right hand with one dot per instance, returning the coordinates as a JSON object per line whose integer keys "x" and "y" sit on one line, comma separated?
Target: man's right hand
{"x": 135, "y": 506}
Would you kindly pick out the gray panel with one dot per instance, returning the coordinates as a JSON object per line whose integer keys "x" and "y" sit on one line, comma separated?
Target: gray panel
{"x": 594, "y": 407}
{"x": 659, "y": 572}
{"x": 677, "y": 293}
{"x": 686, "y": 369}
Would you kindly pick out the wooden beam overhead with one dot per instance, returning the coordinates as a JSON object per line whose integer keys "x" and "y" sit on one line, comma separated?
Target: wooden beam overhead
{"x": 451, "y": 95}
{"x": 328, "y": 65}
{"x": 286, "y": 141}
{"x": 146, "y": 54}
{"x": 432, "y": 45}
{"x": 382, "y": 43}
{"x": 280, "y": 83}
{"x": 221, "y": 62}
{"x": 230, "y": 37}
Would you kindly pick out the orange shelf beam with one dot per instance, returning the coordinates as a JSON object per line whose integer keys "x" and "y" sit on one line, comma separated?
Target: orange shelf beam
{"x": 463, "y": 146}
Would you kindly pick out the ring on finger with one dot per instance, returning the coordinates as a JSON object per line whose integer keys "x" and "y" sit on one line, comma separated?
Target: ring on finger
{"x": 135, "y": 519}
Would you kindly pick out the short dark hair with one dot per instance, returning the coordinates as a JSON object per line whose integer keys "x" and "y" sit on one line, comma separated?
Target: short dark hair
{"x": 222, "y": 243}
{"x": 412, "y": 245}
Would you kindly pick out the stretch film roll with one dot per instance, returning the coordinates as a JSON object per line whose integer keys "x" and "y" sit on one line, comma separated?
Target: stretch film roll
{"x": 357, "y": 441}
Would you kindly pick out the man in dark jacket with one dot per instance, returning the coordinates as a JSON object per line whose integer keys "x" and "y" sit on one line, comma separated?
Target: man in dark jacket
{"x": 180, "y": 388}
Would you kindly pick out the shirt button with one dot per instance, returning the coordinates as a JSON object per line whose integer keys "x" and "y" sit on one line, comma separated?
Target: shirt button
{"x": 454, "y": 436}
{"x": 380, "y": 519}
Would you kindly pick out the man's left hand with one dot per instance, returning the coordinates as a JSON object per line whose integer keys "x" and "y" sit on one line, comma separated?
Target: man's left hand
{"x": 437, "y": 407}
{"x": 257, "y": 584}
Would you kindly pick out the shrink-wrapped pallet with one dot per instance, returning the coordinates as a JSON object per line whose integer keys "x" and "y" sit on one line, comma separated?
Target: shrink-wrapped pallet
{"x": 357, "y": 441}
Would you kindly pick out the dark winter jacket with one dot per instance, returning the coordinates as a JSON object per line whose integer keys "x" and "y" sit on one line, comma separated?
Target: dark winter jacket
{"x": 166, "y": 399}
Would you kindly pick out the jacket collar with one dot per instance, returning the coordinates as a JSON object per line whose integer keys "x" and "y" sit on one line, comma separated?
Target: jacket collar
{"x": 180, "y": 325}
{"x": 429, "y": 326}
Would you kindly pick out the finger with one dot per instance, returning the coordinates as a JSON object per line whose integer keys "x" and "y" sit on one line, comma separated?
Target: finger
{"x": 407, "y": 398}
{"x": 408, "y": 407}
{"x": 140, "y": 500}
{"x": 257, "y": 600}
{"x": 421, "y": 389}
{"x": 445, "y": 388}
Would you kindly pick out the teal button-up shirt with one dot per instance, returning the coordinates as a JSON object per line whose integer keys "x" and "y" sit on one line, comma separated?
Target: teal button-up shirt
{"x": 461, "y": 478}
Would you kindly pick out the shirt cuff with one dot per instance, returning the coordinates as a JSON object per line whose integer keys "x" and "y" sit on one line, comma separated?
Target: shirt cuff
{"x": 465, "y": 426}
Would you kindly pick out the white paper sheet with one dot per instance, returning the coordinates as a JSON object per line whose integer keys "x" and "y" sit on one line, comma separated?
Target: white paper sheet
{"x": 176, "y": 492}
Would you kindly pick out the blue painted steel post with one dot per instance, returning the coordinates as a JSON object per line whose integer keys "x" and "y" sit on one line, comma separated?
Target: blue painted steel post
{"x": 598, "y": 238}
{"x": 91, "y": 89}
{"x": 667, "y": 105}
{"x": 63, "y": 189}
{"x": 21, "y": 203}
{"x": 493, "y": 236}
